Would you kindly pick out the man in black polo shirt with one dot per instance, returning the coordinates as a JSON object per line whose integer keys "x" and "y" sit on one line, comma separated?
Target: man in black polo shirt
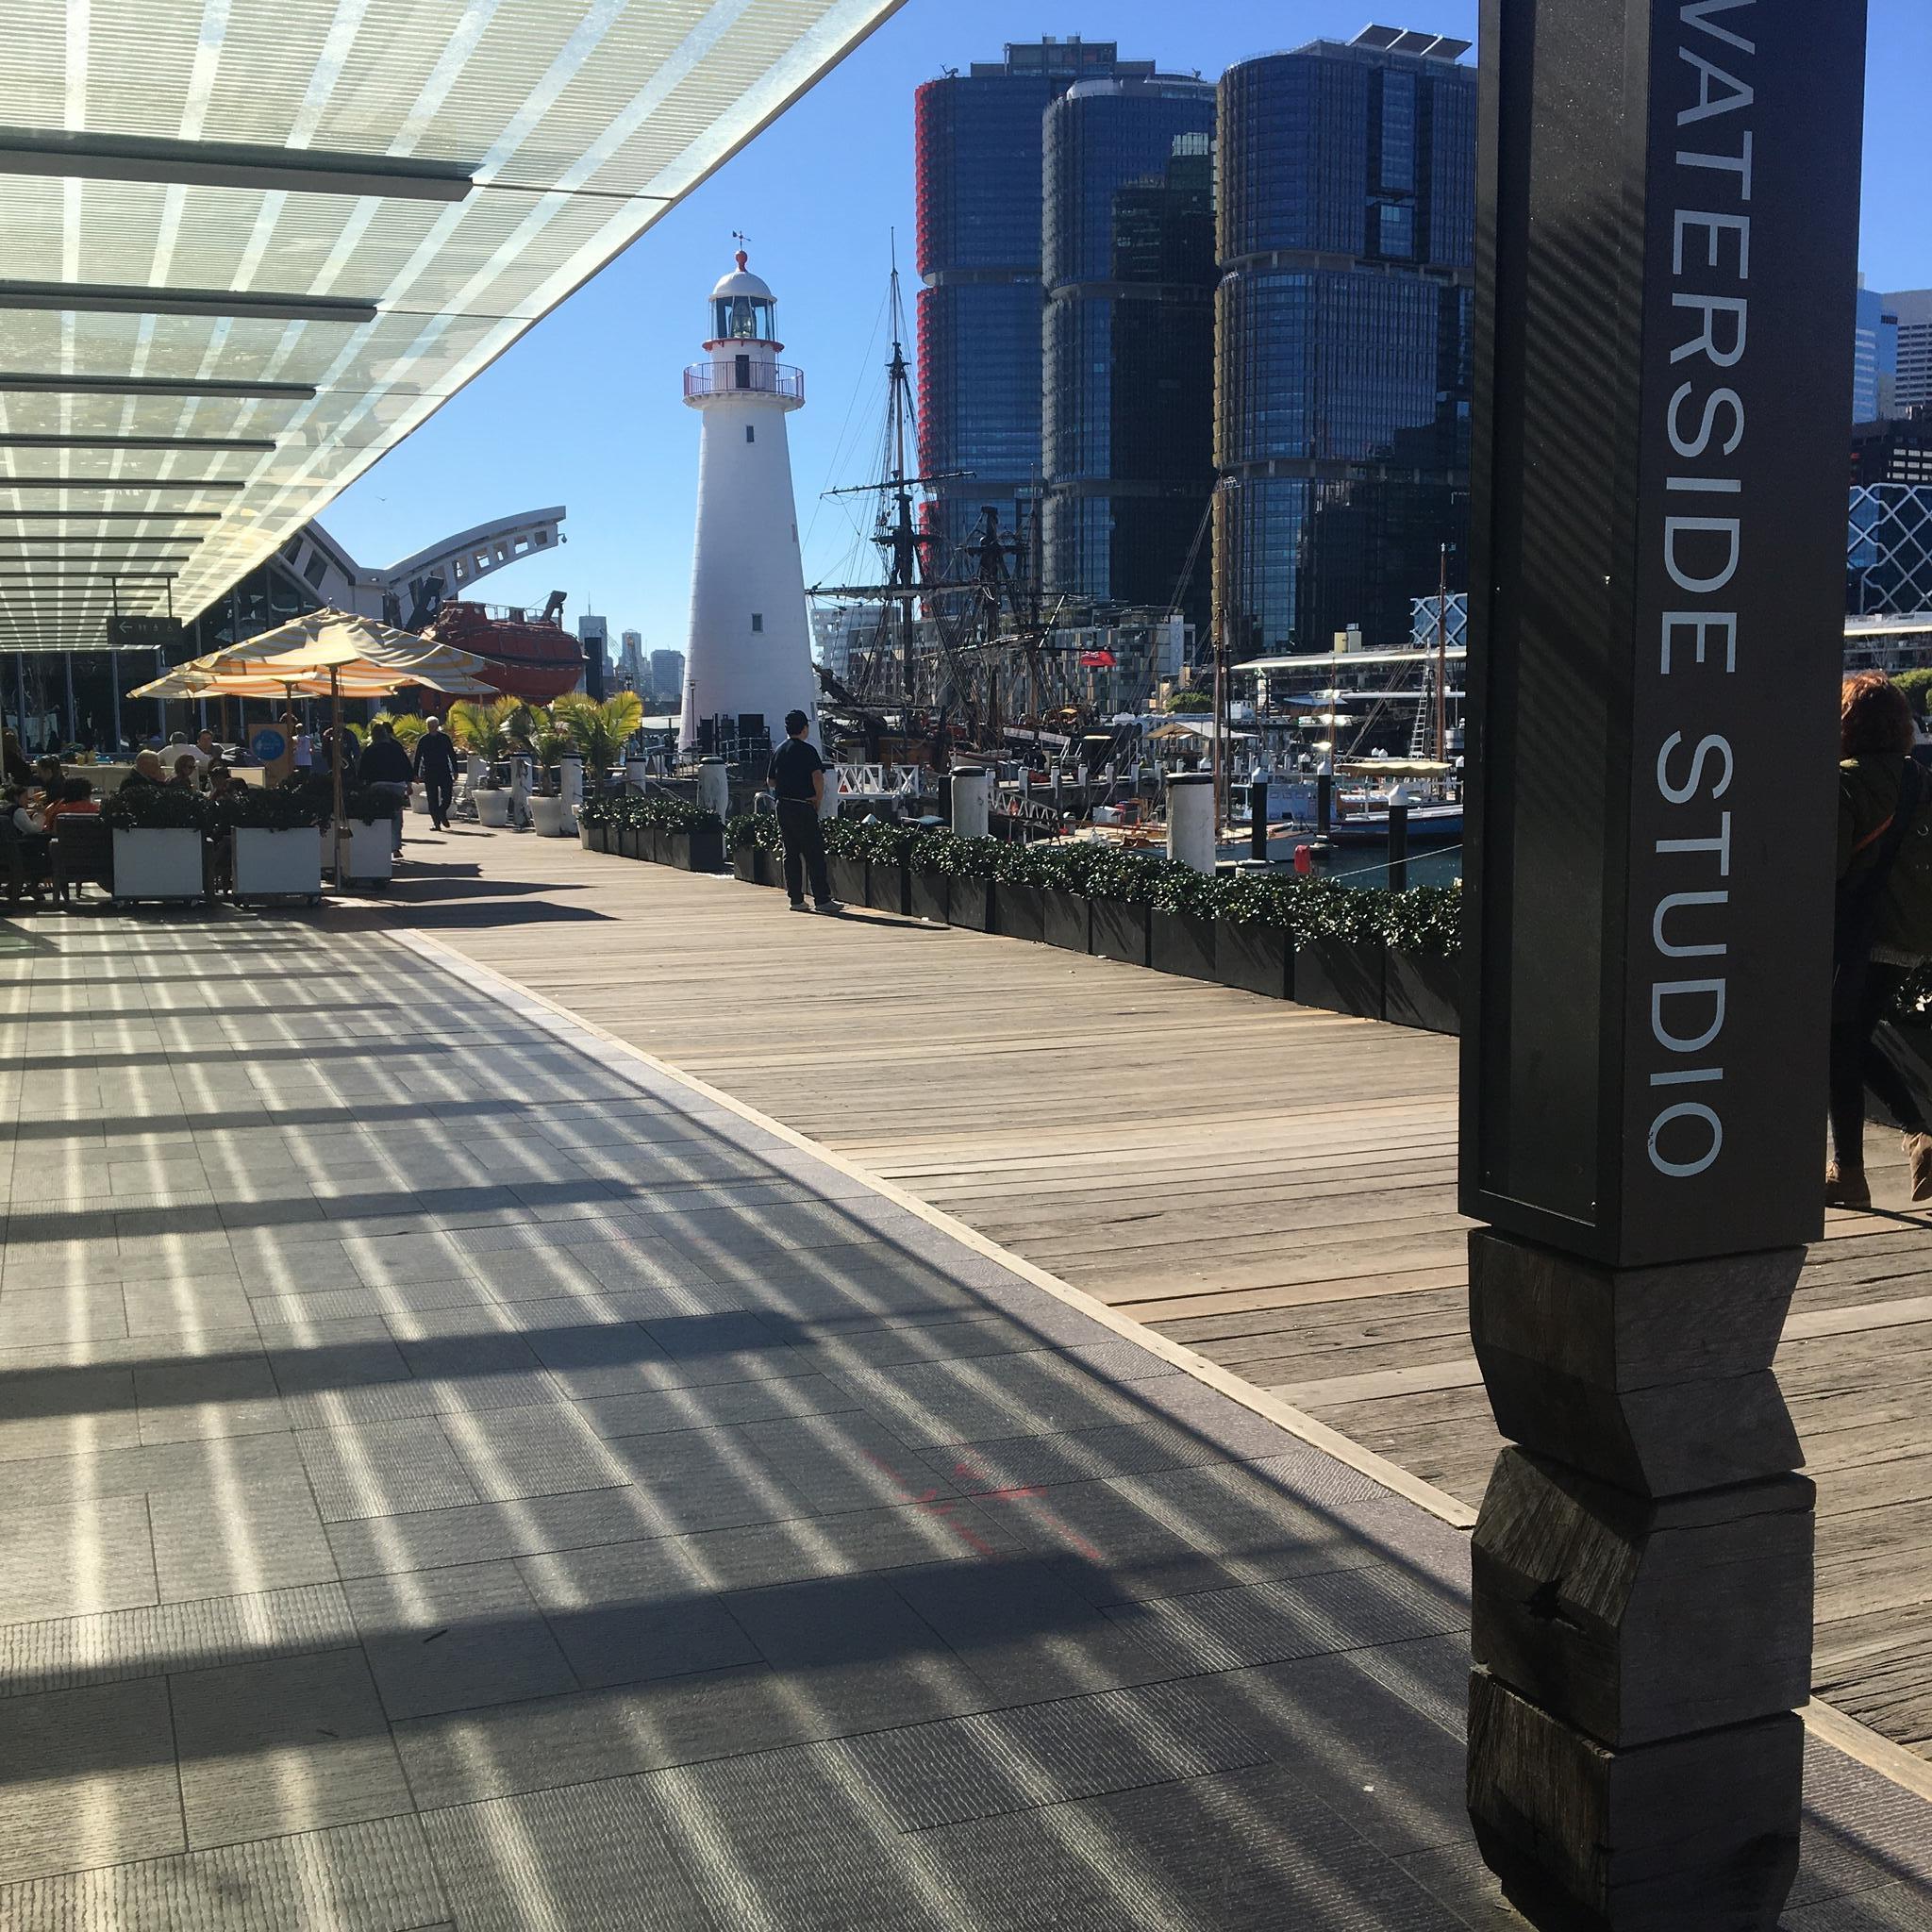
{"x": 797, "y": 775}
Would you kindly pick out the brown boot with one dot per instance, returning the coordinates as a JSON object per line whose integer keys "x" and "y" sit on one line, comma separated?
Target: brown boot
{"x": 1846, "y": 1187}
{"x": 1918, "y": 1157}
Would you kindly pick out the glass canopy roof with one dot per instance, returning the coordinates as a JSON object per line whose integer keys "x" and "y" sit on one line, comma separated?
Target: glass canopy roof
{"x": 249, "y": 246}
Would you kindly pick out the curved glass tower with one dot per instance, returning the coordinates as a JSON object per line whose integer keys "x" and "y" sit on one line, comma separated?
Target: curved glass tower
{"x": 1128, "y": 258}
{"x": 1347, "y": 244}
{"x": 977, "y": 139}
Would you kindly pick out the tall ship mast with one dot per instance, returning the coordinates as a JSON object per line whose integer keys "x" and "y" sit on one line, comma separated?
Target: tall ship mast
{"x": 953, "y": 650}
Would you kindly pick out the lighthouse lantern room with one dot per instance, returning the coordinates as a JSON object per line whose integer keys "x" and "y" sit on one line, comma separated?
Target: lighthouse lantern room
{"x": 749, "y": 659}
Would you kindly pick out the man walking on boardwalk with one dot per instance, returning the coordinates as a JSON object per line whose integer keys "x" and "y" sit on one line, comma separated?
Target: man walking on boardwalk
{"x": 436, "y": 771}
{"x": 797, "y": 775}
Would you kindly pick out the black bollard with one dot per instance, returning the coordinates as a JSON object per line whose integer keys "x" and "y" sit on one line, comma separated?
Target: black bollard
{"x": 1257, "y": 818}
{"x": 1324, "y": 801}
{"x": 1398, "y": 848}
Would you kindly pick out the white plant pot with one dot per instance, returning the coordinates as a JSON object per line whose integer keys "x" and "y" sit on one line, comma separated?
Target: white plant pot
{"x": 159, "y": 865}
{"x": 419, "y": 799}
{"x": 365, "y": 852}
{"x": 474, "y": 772}
{"x": 492, "y": 807}
{"x": 276, "y": 865}
{"x": 550, "y": 817}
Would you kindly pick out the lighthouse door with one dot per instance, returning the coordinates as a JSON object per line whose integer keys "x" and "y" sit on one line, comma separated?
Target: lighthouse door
{"x": 743, "y": 373}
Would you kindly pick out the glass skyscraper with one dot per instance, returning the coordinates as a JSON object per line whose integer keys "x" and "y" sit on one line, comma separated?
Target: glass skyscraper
{"x": 1874, "y": 367}
{"x": 1128, "y": 258}
{"x": 1347, "y": 244}
{"x": 978, "y": 155}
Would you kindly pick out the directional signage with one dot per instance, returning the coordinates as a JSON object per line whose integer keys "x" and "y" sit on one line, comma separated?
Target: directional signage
{"x": 142, "y": 633}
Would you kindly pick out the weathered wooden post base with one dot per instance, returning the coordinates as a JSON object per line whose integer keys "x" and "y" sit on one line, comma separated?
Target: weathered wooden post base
{"x": 1696, "y": 1835}
{"x": 1657, "y": 1380}
{"x": 1642, "y": 1577}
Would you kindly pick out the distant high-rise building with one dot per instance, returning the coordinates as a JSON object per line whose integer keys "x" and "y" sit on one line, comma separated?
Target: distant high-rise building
{"x": 594, "y": 633}
{"x": 1127, "y": 257}
{"x": 633, "y": 670}
{"x": 978, "y": 147}
{"x": 1890, "y": 556}
{"x": 1913, "y": 309}
{"x": 667, "y": 677}
{"x": 1875, "y": 378}
{"x": 1347, "y": 226}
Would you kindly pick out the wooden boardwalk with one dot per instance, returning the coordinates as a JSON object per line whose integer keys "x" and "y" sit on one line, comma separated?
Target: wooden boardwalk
{"x": 1269, "y": 1185}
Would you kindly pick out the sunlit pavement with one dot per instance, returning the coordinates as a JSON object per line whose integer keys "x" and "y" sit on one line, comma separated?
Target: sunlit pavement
{"x": 453, "y": 1473}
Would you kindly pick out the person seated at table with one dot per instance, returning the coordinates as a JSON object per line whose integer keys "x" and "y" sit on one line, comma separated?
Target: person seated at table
{"x": 218, "y": 779}
{"x": 49, "y": 776}
{"x": 184, "y": 769}
{"x": 77, "y": 800}
{"x": 147, "y": 770}
{"x": 23, "y": 811}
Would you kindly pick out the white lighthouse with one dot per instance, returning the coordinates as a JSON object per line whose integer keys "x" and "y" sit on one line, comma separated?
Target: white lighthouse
{"x": 750, "y": 654}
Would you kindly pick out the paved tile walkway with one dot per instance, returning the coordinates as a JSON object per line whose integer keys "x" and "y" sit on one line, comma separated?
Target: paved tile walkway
{"x": 453, "y": 1474}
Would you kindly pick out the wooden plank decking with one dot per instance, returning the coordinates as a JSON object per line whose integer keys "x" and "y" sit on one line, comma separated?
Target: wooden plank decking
{"x": 1269, "y": 1185}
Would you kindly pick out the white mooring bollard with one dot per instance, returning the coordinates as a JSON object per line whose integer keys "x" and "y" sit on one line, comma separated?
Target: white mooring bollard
{"x": 1191, "y": 819}
{"x": 969, "y": 787}
{"x": 714, "y": 786}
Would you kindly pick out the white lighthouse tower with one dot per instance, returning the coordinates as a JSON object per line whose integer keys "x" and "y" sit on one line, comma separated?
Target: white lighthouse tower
{"x": 750, "y": 652}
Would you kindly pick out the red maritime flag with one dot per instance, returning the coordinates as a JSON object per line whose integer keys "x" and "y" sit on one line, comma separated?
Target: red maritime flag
{"x": 1096, "y": 660}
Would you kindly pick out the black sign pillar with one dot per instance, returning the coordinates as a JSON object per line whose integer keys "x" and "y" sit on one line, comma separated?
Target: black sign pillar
{"x": 1667, "y": 261}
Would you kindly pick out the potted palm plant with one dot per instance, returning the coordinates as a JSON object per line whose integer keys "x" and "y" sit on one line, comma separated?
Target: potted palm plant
{"x": 549, "y": 809}
{"x": 161, "y": 843}
{"x": 276, "y": 853}
{"x": 490, "y": 733}
{"x": 600, "y": 732}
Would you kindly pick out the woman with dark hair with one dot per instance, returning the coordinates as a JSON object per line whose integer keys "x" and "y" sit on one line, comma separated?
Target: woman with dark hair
{"x": 1883, "y": 930}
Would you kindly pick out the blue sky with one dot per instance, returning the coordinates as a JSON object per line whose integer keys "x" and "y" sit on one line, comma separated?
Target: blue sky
{"x": 587, "y": 410}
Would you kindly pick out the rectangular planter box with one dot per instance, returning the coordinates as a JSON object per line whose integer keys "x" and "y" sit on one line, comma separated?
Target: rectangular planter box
{"x": 1067, "y": 921}
{"x": 1183, "y": 944}
{"x": 1019, "y": 913}
{"x": 1119, "y": 931}
{"x": 277, "y": 865}
{"x": 697, "y": 851}
{"x": 970, "y": 905}
{"x": 930, "y": 896}
{"x": 1342, "y": 975}
{"x": 886, "y": 887}
{"x": 592, "y": 838}
{"x": 1256, "y": 958}
{"x": 848, "y": 879}
{"x": 771, "y": 869}
{"x": 630, "y": 842}
{"x": 365, "y": 854}
{"x": 162, "y": 865}
{"x": 745, "y": 864}
{"x": 1424, "y": 991}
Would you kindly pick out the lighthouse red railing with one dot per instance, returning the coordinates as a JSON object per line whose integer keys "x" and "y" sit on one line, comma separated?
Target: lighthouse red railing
{"x": 750, "y": 377}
